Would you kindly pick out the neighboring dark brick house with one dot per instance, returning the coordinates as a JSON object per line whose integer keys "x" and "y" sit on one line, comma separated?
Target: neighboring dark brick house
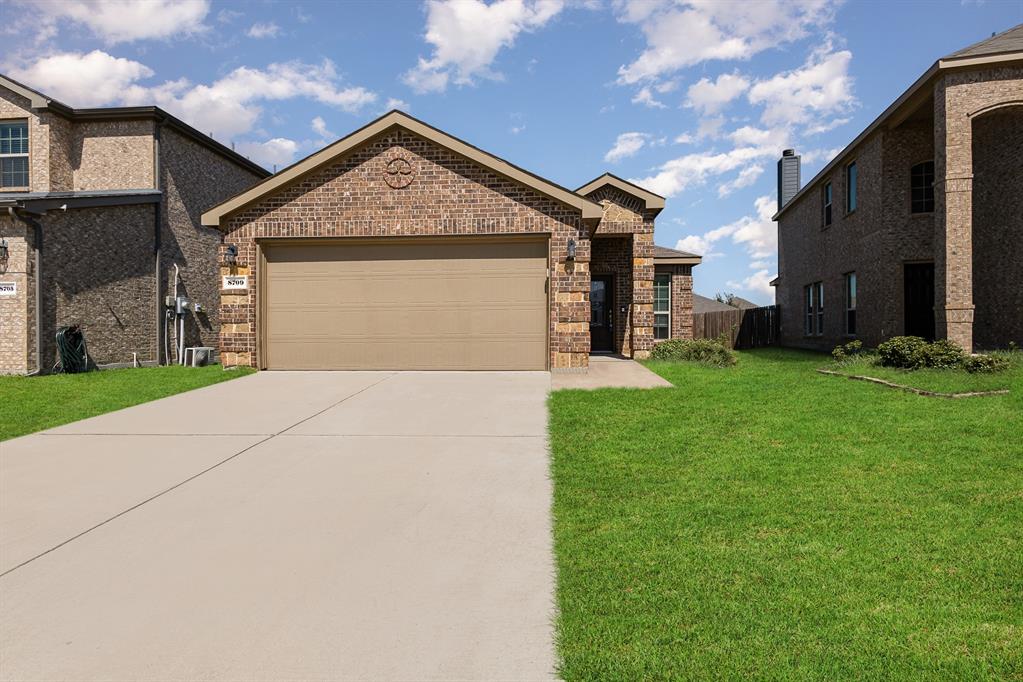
{"x": 400, "y": 246}
{"x": 97, "y": 206}
{"x": 928, "y": 240}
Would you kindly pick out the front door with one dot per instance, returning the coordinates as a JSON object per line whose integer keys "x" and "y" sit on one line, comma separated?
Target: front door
{"x": 601, "y": 314}
{"x": 919, "y": 299}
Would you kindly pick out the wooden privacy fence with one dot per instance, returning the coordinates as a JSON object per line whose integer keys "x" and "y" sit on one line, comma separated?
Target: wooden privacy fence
{"x": 749, "y": 328}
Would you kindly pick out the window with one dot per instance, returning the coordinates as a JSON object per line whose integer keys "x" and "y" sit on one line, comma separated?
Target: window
{"x": 14, "y": 154}
{"x": 921, "y": 187}
{"x": 827, "y": 204}
{"x": 662, "y": 306}
{"x": 850, "y": 187}
{"x": 814, "y": 321}
{"x": 850, "y": 303}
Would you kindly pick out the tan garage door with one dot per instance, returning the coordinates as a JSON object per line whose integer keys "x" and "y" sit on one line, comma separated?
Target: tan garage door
{"x": 407, "y": 304}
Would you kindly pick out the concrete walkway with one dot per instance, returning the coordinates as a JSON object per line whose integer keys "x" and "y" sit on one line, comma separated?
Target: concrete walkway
{"x": 610, "y": 371}
{"x": 285, "y": 526}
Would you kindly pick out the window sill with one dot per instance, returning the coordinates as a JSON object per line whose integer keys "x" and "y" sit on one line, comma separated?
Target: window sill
{"x": 13, "y": 189}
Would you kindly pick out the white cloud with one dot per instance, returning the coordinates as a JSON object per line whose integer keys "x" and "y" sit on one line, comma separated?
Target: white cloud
{"x": 83, "y": 80}
{"x": 821, "y": 87}
{"x": 264, "y": 30}
{"x": 757, "y": 234}
{"x": 467, "y": 35}
{"x": 746, "y": 177}
{"x": 319, "y": 127}
{"x": 124, "y": 21}
{"x": 627, "y": 144}
{"x": 710, "y": 127}
{"x": 709, "y": 97}
{"x": 395, "y": 103}
{"x": 688, "y": 32}
{"x": 685, "y": 138}
{"x": 646, "y": 97}
{"x": 279, "y": 151}
{"x": 759, "y": 283}
{"x": 226, "y": 107}
{"x": 515, "y": 130}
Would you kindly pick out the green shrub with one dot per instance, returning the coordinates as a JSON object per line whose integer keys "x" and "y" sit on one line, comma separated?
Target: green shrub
{"x": 984, "y": 364}
{"x": 941, "y": 354}
{"x": 708, "y": 351}
{"x": 846, "y": 351}
{"x": 901, "y": 351}
{"x": 912, "y": 352}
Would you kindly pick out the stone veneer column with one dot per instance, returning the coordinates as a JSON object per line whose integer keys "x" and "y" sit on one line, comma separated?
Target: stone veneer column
{"x": 642, "y": 294}
{"x": 953, "y": 217}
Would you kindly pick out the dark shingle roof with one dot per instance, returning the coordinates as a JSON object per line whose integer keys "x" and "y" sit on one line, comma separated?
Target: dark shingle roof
{"x": 1006, "y": 41}
{"x": 702, "y": 304}
{"x": 665, "y": 252}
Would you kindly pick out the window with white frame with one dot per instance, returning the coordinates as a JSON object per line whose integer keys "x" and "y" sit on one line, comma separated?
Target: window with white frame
{"x": 850, "y": 303}
{"x": 662, "y": 306}
{"x": 813, "y": 324}
{"x": 13, "y": 154}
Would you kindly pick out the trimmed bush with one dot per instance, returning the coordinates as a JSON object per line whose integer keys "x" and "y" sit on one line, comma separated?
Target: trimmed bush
{"x": 694, "y": 350}
{"x": 984, "y": 364}
{"x": 846, "y": 351}
{"x": 912, "y": 352}
{"x": 901, "y": 351}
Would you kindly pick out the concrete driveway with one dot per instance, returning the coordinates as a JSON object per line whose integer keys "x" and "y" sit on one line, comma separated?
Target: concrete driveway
{"x": 286, "y": 526}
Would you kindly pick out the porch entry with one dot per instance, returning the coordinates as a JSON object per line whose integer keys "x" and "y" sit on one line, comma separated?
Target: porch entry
{"x": 602, "y": 313}
{"x": 918, "y": 284}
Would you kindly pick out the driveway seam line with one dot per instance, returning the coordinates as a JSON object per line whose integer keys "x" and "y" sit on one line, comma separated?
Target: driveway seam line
{"x": 189, "y": 479}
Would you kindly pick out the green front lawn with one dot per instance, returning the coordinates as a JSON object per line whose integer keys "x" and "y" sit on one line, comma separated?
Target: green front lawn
{"x": 767, "y": 521}
{"x": 36, "y": 403}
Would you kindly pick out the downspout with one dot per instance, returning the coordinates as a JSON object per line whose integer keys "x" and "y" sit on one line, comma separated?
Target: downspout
{"x": 161, "y": 327}
{"x": 37, "y": 229}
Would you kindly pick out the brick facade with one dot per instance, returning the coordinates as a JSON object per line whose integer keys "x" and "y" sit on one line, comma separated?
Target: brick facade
{"x": 971, "y": 243}
{"x": 450, "y": 195}
{"x": 99, "y": 265}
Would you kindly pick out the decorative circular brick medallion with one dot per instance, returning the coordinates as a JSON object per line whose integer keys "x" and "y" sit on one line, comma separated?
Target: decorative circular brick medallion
{"x": 399, "y": 173}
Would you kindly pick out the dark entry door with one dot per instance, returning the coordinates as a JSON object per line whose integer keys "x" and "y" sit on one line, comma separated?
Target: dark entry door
{"x": 601, "y": 313}
{"x": 919, "y": 299}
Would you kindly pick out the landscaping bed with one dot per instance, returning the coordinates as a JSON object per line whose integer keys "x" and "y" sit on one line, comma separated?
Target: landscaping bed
{"x": 37, "y": 403}
{"x": 766, "y": 520}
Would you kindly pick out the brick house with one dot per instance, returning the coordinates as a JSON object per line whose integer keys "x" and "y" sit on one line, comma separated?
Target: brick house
{"x": 915, "y": 227}
{"x": 402, "y": 247}
{"x": 97, "y": 207}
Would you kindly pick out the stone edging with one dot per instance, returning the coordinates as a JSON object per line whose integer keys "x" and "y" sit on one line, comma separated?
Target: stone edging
{"x": 918, "y": 391}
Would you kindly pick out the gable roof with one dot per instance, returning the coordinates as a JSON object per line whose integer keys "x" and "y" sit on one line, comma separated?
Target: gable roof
{"x": 654, "y": 202}
{"x": 666, "y": 256}
{"x": 41, "y": 102}
{"x": 591, "y": 211}
{"x": 1006, "y": 41}
{"x": 1004, "y": 47}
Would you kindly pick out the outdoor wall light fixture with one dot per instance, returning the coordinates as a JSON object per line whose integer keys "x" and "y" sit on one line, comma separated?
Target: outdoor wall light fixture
{"x": 570, "y": 255}
{"x": 3, "y": 251}
{"x": 231, "y": 254}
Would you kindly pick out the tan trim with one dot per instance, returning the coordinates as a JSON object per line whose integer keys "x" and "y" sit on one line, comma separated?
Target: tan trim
{"x": 896, "y": 106}
{"x": 260, "y": 306}
{"x": 590, "y": 210}
{"x": 696, "y": 260}
{"x": 654, "y": 202}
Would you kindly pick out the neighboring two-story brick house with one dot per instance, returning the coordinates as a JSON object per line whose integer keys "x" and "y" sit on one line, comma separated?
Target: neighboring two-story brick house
{"x": 97, "y": 207}
{"x": 402, "y": 247}
{"x": 917, "y": 226}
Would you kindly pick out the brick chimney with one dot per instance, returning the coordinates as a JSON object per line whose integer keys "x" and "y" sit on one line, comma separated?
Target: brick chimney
{"x": 788, "y": 176}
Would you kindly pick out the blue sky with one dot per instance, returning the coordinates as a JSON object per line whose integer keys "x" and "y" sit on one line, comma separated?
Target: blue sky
{"x": 694, "y": 99}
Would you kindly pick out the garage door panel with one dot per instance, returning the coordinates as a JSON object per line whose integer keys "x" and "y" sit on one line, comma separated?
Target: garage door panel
{"x": 466, "y": 305}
